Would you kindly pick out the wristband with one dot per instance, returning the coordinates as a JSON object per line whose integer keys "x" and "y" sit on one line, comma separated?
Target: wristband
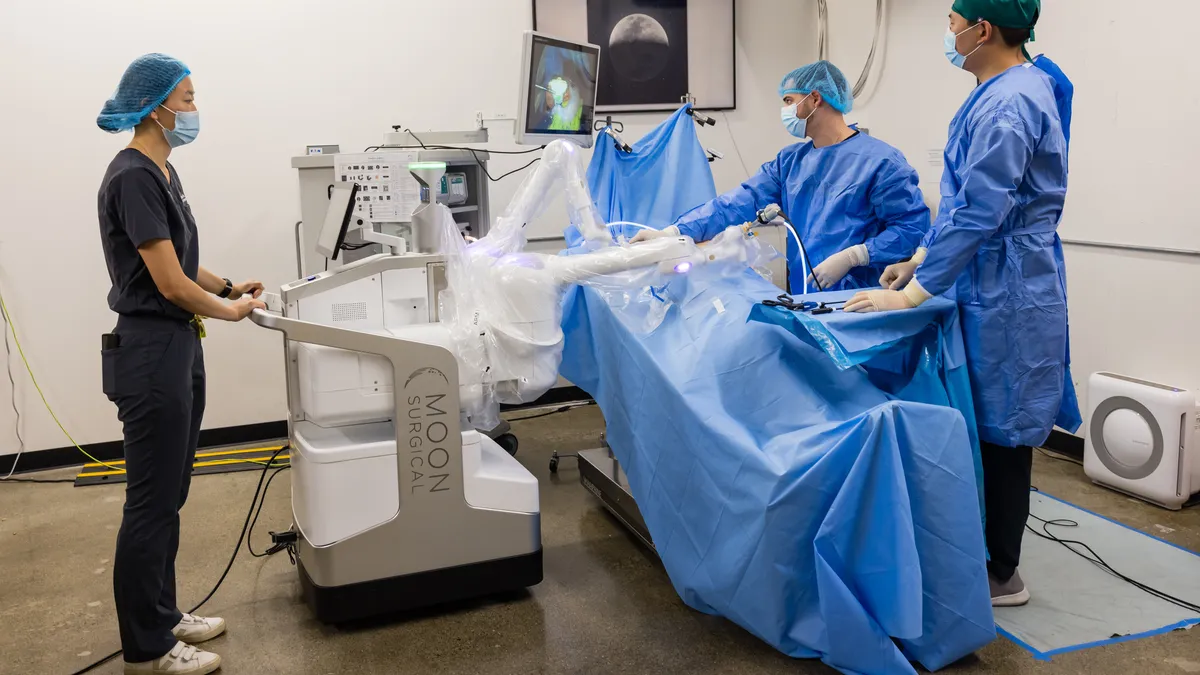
{"x": 227, "y": 290}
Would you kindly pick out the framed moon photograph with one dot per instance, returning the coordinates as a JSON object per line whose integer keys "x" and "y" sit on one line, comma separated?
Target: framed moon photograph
{"x": 653, "y": 53}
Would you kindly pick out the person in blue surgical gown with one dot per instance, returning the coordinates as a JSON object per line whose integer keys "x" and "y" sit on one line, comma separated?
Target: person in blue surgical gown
{"x": 995, "y": 245}
{"x": 854, "y": 200}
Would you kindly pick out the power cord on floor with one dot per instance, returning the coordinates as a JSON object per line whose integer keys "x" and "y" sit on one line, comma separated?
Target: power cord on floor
{"x": 276, "y": 547}
{"x": 236, "y": 548}
{"x": 1096, "y": 560}
{"x": 1058, "y": 457}
{"x": 561, "y": 409}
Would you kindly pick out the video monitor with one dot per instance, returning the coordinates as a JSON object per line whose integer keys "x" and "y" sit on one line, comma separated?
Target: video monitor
{"x": 337, "y": 219}
{"x": 558, "y": 90}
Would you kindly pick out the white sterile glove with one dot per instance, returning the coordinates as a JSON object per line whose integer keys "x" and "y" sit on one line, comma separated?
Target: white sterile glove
{"x": 647, "y": 235}
{"x": 886, "y": 301}
{"x": 898, "y": 275}
{"x": 838, "y": 265}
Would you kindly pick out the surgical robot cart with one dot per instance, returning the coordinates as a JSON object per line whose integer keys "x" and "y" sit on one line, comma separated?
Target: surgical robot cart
{"x": 396, "y": 502}
{"x": 392, "y": 361}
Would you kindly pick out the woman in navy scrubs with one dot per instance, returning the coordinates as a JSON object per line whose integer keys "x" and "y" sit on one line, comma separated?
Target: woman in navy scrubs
{"x": 153, "y": 364}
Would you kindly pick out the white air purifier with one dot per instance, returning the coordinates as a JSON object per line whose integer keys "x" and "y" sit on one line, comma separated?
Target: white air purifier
{"x": 1140, "y": 439}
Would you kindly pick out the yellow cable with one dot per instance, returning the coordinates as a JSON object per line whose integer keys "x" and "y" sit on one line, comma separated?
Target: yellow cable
{"x": 218, "y": 453}
{"x": 200, "y": 465}
{"x": 13, "y": 329}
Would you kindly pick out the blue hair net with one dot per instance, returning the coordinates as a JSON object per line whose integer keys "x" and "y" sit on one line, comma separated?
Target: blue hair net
{"x": 145, "y": 85}
{"x": 823, "y": 77}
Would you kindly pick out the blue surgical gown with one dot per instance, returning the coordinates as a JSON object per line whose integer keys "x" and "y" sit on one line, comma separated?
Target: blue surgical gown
{"x": 995, "y": 244}
{"x": 860, "y": 191}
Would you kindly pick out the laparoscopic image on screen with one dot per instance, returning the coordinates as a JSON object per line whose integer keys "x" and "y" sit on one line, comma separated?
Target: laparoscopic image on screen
{"x": 561, "y": 91}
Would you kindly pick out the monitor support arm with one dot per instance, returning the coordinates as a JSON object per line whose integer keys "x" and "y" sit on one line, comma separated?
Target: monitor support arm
{"x": 391, "y": 243}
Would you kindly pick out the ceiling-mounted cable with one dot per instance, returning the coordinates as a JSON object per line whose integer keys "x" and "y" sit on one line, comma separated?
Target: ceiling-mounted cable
{"x": 822, "y": 30}
{"x": 823, "y": 40}
{"x": 866, "y": 73}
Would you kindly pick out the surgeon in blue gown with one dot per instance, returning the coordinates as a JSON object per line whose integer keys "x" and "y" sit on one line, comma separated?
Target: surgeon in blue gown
{"x": 853, "y": 199}
{"x": 995, "y": 246}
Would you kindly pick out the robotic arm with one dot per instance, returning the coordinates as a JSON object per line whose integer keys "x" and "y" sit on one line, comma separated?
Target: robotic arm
{"x": 560, "y": 162}
{"x": 670, "y": 255}
{"x": 511, "y": 301}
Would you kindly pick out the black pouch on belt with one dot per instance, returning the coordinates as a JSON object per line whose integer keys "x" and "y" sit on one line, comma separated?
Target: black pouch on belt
{"x": 109, "y": 342}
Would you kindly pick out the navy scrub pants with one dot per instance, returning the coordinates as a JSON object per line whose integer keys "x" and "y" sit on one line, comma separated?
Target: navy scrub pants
{"x": 155, "y": 376}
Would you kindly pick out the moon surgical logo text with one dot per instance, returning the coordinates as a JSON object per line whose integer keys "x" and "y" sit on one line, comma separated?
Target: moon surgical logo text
{"x": 428, "y": 432}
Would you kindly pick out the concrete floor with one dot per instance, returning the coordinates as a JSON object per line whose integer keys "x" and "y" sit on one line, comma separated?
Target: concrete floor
{"x": 605, "y": 606}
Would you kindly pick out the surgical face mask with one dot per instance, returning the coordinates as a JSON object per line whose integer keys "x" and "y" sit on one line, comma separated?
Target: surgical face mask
{"x": 796, "y": 126}
{"x": 950, "y": 43}
{"x": 187, "y": 128}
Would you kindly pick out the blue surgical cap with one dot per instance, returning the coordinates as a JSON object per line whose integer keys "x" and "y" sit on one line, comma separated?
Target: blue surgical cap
{"x": 823, "y": 77}
{"x": 147, "y": 82}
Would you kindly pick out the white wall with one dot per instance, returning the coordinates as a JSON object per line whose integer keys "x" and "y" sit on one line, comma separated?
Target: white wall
{"x": 271, "y": 77}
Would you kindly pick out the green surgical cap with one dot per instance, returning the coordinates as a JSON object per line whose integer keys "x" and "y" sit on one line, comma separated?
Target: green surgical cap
{"x": 1003, "y": 13}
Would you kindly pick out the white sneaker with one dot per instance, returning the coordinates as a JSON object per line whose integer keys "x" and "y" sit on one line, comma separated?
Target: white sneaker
{"x": 196, "y": 629}
{"x": 181, "y": 660}
{"x": 1011, "y": 593}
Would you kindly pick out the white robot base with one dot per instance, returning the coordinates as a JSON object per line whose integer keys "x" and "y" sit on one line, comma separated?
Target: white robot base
{"x": 346, "y": 487}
